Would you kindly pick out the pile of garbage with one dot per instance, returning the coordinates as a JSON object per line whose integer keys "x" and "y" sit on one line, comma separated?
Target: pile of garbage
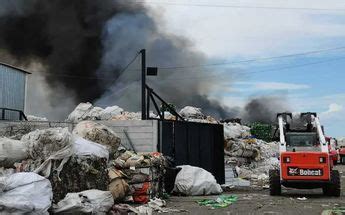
{"x": 83, "y": 171}
{"x": 86, "y": 111}
{"x": 248, "y": 158}
{"x": 143, "y": 174}
{"x": 88, "y": 171}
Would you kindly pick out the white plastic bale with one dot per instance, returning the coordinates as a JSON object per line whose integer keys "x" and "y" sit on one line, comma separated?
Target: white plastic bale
{"x": 78, "y": 113}
{"x": 109, "y": 112}
{"x": 195, "y": 181}
{"x": 190, "y": 112}
{"x": 12, "y": 151}
{"x": 235, "y": 130}
{"x": 6, "y": 172}
{"x": 93, "y": 114}
{"x": 48, "y": 145}
{"x": 25, "y": 193}
{"x": 43, "y": 143}
{"x": 89, "y": 201}
{"x": 98, "y": 133}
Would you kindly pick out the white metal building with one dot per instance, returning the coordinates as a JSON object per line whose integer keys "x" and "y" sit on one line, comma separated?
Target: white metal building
{"x": 12, "y": 91}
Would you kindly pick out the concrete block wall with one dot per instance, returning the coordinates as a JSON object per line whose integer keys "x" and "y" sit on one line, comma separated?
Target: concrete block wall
{"x": 137, "y": 134}
{"x": 143, "y": 135}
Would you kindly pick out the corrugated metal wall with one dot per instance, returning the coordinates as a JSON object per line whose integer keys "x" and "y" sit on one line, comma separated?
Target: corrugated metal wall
{"x": 12, "y": 90}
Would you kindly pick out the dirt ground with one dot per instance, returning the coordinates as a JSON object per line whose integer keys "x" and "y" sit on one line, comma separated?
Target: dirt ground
{"x": 260, "y": 202}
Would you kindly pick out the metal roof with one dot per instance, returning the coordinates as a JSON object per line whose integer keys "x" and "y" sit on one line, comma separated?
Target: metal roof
{"x": 16, "y": 68}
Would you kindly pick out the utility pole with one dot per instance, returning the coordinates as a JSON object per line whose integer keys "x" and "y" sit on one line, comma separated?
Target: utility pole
{"x": 143, "y": 84}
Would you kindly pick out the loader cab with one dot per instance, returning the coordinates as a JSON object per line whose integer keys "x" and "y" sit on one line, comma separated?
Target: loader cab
{"x": 302, "y": 141}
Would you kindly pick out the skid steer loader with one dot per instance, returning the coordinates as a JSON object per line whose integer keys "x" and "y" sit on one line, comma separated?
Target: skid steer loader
{"x": 304, "y": 157}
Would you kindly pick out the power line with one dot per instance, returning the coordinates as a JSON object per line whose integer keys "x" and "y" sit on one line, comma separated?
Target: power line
{"x": 252, "y": 60}
{"x": 195, "y": 66}
{"x": 261, "y": 71}
{"x": 239, "y": 6}
{"x": 126, "y": 67}
{"x": 210, "y": 76}
{"x": 202, "y": 77}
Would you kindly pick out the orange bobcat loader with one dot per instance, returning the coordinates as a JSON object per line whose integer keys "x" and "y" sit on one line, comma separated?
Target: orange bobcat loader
{"x": 304, "y": 157}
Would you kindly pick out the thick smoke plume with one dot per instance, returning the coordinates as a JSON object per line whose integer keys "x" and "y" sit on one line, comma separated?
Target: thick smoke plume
{"x": 82, "y": 46}
{"x": 264, "y": 109}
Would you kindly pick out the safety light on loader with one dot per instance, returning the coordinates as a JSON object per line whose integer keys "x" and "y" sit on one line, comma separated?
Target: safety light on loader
{"x": 286, "y": 160}
{"x": 322, "y": 160}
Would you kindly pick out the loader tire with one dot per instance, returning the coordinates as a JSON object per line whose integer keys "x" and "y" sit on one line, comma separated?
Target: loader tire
{"x": 342, "y": 159}
{"x": 275, "y": 186}
{"x": 333, "y": 188}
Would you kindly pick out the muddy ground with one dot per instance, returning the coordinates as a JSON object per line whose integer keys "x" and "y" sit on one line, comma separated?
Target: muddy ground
{"x": 260, "y": 202}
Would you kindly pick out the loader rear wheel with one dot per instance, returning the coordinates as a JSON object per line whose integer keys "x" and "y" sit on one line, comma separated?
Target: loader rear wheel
{"x": 342, "y": 159}
{"x": 275, "y": 186}
{"x": 333, "y": 188}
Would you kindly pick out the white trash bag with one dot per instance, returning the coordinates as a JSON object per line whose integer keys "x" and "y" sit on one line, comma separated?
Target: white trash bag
{"x": 48, "y": 145}
{"x": 80, "y": 112}
{"x": 195, "y": 181}
{"x": 88, "y": 201}
{"x": 83, "y": 147}
{"x": 25, "y": 193}
{"x": 98, "y": 133}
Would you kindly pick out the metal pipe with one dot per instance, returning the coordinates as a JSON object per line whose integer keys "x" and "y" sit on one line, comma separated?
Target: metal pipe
{"x": 143, "y": 84}
{"x": 282, "y": 146}
{"x": 323, "y": 142}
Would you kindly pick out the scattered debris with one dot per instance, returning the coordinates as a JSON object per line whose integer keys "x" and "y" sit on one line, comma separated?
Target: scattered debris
{"x": 302, "y": 198}
{"x": 222, "y": 201}
{"x": 154, "y": 204}
{"x": 334, "y": 211}
{"x": 88, "y": 201}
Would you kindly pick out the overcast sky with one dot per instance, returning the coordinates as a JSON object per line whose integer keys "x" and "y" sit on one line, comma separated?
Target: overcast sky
{"x": 229, "y": 31}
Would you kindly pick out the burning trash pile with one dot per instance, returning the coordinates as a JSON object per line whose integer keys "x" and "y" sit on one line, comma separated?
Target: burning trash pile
{"x": 83, "y": 171}
{"x": 247, "y": 157}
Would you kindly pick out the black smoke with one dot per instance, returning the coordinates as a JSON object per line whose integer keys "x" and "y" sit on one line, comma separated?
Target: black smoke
{"x": 83, "y": 46}
{"x": 64, "y": 35}
{"x": 264, "y": 109}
